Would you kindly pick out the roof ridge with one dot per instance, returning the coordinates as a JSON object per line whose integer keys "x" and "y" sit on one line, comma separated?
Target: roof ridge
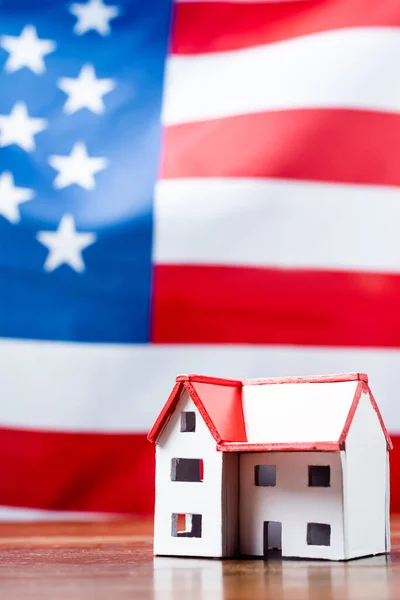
{"x": 335, "y": 378}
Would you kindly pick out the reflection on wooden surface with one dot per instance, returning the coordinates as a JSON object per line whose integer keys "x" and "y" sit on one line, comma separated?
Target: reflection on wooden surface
{"x": 278, "y": 580}
{"x": 114, "y": 561}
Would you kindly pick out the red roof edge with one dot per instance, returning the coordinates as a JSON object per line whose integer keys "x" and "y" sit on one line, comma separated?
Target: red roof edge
{"x": 378, "y": 412}
{"x": 363, "y": 387}
{"x": 213, "y": 380}
{"x": 166, "y": 412}
{"x": 352, "y": 412}
{"x": 311, "y": 379}
{"x": 279, "y": 447}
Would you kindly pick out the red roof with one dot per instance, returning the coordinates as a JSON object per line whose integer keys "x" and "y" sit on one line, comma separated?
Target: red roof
{"x": 219, "y": 402}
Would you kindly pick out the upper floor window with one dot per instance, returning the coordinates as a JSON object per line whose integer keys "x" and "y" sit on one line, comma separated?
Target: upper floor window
{"x": 188, "y": 421}
{"x": 187, "y": 469}
{"x": 319, "y": 476}
{"x": 265, "y": 475}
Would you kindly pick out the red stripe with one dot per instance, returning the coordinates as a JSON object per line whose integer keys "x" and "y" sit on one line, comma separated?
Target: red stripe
{"x": 215, "y": 27}
{"x": 221, "y": 304}
{"x": 293, "y": 144}
{"x": 112, "y": 473}
{"x": 77, "y": 471}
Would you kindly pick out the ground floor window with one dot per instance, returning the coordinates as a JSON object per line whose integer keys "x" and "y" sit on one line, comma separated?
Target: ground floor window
{"x": 186, "y": 525}
{"x": 318, "y": 534}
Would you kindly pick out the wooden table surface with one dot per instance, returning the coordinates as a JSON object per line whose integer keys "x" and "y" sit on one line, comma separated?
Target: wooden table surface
{"x": 114, "y": 561}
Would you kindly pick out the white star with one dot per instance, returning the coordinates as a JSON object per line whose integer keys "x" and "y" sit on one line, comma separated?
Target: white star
{"x": 93, "y": 15}
{"x": 19, "y": 128}
{"x": 77, "y": 168}
{"x": 26, "y": 50}
{"x": 65, "y": 245}
{"x": 11, "y": 196}
{"x": 85, "y": 91}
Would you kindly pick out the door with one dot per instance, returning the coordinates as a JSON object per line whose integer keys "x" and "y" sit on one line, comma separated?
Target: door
{"x": 272, "y": 538}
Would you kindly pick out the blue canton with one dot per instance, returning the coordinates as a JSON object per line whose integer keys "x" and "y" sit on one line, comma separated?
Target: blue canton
{"x": 81, "y": 86}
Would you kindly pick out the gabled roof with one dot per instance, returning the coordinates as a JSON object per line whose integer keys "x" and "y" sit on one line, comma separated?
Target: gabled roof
{"x": 301, "y": 413}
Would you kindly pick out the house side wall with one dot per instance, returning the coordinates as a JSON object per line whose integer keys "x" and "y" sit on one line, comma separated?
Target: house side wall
{"x": 365, "y": 484}
{"x": 230, "y": 504}
{"x": 387, "y": 518}
{"x": 203, "y": 498}
{"x": 292, "y": 503}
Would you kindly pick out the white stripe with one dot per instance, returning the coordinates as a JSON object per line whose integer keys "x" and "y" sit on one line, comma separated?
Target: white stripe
{"x": 122, "y": 388}
{"x": 348, "y": 68}
{"x": 10, "y": 513}
{"x": 277, "y": 223}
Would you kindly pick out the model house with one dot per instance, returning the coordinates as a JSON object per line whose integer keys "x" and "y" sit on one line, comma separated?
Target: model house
{"x": 299, "y": 464}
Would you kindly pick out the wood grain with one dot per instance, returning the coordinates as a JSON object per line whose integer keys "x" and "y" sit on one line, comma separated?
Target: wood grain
{"x": 114, "y": 561}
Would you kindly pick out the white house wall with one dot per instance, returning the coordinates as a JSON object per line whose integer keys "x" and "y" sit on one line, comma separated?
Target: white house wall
{"x": 307, "y": 412}
{"x": 292, "y": 503}
{"x": 365, "y": 484}
{"x": 203, "y": 498}
{"x": 388, "y": 542}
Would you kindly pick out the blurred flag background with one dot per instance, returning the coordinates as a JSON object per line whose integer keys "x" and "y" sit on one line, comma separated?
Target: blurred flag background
{"x": 205, "y": 187}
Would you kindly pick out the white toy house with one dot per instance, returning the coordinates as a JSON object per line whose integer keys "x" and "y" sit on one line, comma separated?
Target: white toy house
{"x": 300, "y": 464}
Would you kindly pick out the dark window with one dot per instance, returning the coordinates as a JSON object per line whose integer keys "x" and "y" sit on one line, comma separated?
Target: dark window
{"x": 318, "y": 534}
{"x": 265, "y": 475}
{"x": 186, "y": 525}
{"x": 188, "y": 421}
{"x": 272, "y": 539}
{"x": 187, "y": 469}
{"x": 319, "y": 476}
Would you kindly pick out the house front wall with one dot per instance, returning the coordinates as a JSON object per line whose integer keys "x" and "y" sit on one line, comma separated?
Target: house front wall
{"x": 291, "y": 502}
{"x": 185, "y": 497}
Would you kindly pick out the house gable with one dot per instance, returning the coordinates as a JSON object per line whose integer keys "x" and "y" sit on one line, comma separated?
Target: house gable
{"x": 364, "y": 390}
{"x": 190, "y": 444}
{"x": 218, "y": 402}
{"x": 366, "y": 475}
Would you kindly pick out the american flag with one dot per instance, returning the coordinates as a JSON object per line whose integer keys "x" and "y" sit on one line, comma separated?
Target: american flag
{"x": 203, "y": 187}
